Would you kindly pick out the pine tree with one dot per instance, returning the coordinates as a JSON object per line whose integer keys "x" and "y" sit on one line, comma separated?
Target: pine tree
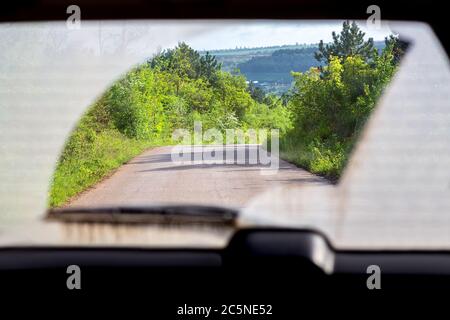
{"x": 397, "y": 47}
{"x": 349, "y": 42}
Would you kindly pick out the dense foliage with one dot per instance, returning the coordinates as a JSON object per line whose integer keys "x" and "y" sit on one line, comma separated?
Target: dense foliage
{"x": 170, "y": 91}
{"x": 319, "y": 118}
{"x": 350, "y": 42}
{"x": 272, "y": 67}
{"x": 330, "y": 104}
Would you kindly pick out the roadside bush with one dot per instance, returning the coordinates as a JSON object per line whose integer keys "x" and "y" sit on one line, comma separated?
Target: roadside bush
{"x": 143, "y": 108}
{"x": 329, "y": 106}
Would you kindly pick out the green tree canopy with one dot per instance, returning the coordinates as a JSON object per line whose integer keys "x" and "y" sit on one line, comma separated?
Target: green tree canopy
{"x": 349, "y": 42}
{"x": 331, "y": 103}
{"x": 184, "y": 61}
{"x": 396, "y": 46}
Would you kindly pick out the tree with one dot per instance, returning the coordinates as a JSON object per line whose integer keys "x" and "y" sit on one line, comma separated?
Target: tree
{"x": 396, "y": 46}
{"x": 331, "y": 103}
{"x": 209, "y": 66}
{"x": 186, "y": 62}
{"x": 182, "y": 61}
{"x": 256, "y": 92}
{"x": 349, "y": 42}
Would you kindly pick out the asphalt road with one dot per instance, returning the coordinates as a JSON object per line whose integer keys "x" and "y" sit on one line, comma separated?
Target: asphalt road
{"x": 153, "y": 177}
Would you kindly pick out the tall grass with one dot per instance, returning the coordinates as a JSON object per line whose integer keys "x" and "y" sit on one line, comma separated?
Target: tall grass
{"x": 108, "y": 151}
{"x": 325, "y": 159}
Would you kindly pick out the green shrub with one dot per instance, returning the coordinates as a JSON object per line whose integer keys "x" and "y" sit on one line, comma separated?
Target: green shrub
{"x": 318, "y": 120}
{"x": 144, "y": 107}
{"x": 331, "y": 103}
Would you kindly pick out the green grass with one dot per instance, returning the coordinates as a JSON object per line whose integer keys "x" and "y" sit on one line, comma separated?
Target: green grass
{"x": 96, "y": 160}
{"x": 327, "y": 160}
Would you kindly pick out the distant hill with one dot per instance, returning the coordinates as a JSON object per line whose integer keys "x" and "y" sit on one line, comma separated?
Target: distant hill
{"x": 231, "y": 58}
{"x": 273, "y": 72}
{"x": 270, "y": 67}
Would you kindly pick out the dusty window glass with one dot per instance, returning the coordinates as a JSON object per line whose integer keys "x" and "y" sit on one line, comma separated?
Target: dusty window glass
{"x": 220, "y": 116}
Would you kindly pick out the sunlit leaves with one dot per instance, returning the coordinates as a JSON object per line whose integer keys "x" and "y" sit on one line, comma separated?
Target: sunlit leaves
{"x": 330, "y": 104}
